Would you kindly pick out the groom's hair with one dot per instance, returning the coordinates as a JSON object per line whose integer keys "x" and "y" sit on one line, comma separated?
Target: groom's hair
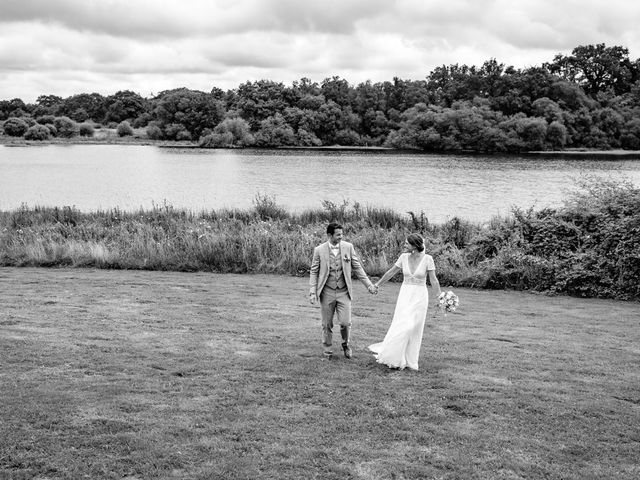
{"x": 332, "y": 227}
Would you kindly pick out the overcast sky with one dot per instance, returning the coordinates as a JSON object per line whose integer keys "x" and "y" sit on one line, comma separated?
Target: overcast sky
{"x": 65, "y": 47}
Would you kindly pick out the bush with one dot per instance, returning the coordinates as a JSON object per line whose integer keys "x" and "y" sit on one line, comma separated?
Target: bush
{"x": 15, "y": 127}
{"x": 174, "y": 130}
{"x": 86, "y": 130}
{"x": 142, "y": 121}
{"x": 46, "y": 119}
{"x": 65, "y": 127}
{"x": 124, "y": 129}
{"x": 37, "y": 132}
{"x": 154, "y": 132}
{"x": 216, "y": 140}
{"x": 267, "y": 208}
{"x": 556, "y": 135}
{"x": 231, "y": 132}
{"x": 458, "y": 232}
{"x": 183, "y": 135}
{"x": 275, "y": 132}
{"x": 347, "y": 137}
{"x": 53, "y": 131}
{"x": 307, "y": 139}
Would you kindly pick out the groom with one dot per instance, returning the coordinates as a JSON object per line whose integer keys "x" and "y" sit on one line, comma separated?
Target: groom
{"x": 330, "y": 281}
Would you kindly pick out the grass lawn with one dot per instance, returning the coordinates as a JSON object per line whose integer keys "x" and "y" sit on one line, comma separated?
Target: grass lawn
{"x": 135, "y": 374}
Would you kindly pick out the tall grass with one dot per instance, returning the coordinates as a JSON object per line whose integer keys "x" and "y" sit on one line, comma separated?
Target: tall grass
{"x": 263, "y": 240}
{"x": 588, "y": 248}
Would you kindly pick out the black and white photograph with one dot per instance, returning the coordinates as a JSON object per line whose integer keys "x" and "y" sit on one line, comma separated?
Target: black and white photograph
{"x": 337, "y": 240}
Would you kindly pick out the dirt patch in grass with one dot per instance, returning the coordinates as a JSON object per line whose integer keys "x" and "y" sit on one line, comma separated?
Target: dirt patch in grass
{"x": 133, "y": 374}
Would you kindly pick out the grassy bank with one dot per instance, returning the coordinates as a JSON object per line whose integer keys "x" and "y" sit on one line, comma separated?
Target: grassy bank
{"x": 135, "y": 374}
{"x": 589, "y": 247}
{"x": 102, "y": 136}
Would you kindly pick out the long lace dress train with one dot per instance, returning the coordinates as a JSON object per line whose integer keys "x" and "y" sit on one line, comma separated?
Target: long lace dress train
{"x": 401, "y": 345}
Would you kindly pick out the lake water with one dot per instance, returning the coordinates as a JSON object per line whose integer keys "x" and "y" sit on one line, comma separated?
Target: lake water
{"x": 92, "y": 177}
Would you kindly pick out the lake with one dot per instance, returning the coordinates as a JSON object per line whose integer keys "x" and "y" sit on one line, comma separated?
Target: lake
{"x": 474, "y": 187}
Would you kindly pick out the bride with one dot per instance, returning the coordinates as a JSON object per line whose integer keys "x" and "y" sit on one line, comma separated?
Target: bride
{"x": 401, "y": 345}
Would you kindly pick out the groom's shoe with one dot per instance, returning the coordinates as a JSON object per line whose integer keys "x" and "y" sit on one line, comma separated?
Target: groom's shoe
{"x": 347, "y": 351}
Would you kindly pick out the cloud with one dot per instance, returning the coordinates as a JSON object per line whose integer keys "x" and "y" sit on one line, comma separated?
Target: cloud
{"x": 72, "y": 46}
{"x": 155, "y": 19}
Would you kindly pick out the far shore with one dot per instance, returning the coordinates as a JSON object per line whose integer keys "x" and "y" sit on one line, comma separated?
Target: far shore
{"x": 115, "y": 140}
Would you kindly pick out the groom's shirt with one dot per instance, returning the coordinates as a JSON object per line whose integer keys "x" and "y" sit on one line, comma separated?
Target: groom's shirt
{"x": 336, "y": 276}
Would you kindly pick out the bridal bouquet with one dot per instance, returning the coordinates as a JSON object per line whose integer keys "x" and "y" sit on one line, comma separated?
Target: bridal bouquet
{"x": 448, "y": 302}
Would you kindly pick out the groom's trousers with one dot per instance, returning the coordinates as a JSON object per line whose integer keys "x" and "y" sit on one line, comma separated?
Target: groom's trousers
{"x": 335, "y": 302}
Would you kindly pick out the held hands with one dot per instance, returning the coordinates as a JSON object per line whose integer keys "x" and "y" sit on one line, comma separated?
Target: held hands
{"x": 373, "y": 289}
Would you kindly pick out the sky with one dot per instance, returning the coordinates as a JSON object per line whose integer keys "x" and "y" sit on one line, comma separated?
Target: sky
{"x": 66, "y": 47}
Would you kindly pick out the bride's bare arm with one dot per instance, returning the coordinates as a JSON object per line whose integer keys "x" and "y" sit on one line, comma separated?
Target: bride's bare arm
{"x": 389, "y": 274}
{"x": 434, "y": 281}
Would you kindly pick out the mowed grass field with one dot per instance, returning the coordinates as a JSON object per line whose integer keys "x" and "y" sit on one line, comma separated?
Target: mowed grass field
{"x": 144, "y": 375}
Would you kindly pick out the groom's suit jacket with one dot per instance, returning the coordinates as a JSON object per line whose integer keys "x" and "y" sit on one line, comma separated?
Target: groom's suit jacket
{"x": 350, "y": 264}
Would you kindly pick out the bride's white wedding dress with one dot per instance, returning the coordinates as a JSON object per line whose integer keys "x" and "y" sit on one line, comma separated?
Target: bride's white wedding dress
{"x": 401, "y": 345}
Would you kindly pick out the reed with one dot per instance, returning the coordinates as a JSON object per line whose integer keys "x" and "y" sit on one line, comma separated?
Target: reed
{"x": 552, "y": 251}
{"x": 266, "y": 239}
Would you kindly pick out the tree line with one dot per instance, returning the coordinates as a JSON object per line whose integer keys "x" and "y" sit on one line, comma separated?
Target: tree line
{"x": 588, "y": 99}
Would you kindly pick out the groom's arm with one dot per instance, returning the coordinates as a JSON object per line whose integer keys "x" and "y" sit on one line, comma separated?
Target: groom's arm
{"x": 313, "y": 272}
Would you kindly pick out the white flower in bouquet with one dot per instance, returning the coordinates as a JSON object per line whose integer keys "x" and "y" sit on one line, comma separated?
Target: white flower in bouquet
{"x": 448, "y": 302}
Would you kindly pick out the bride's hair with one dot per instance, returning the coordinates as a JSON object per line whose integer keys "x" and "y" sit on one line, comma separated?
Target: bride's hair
{"x": 417, "y": 241}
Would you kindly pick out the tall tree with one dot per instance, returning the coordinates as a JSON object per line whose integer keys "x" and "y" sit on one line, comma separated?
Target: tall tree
{"x": 403, "y": 94}
{"x": 257, "y": 101}
{"x": 12, "y": 108}
{"x": 84, "y": 106}
{"x": 194, "y": 110}
{"x": 597, "y": 68}
{"x": 124, "y": 105}
{"x": 338, "y": 90}
{"x": 47, "y": 105}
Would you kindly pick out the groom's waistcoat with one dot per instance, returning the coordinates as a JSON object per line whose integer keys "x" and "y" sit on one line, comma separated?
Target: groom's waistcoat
{"x": 335, "y": 279}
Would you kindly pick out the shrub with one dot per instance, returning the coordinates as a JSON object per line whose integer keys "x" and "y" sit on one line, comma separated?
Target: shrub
{"x": 514, "y": 269}
{"x": 80, "y": 115}
{"x": 37, "y": 132}
{"x": 142, "y": 121}
{"x": 630, "y": 141}
{"x": 53, "y": 131}
{"x": 307, "y": 139}
{"x": 347, "y": 137}
{"x": 173, "y": 130}
{"x": 46, "y": 119}
{"x": 336, "y": 212}
{"x": 267, "y": 208}
{"x": 65, "y": 127}
{"x": 556, "y": 135}
{"x": 183, "y": 135}
{"x": 458, "y": 232}
{"x": 124, "y": 129}
{"x": 154, "y": 132}
{"x": 230, "y": 132}
{"x": 274, "y": 132}
{"x": 15, "y": 127}
{"x": 216, "y": 140}
{"x": 86, "y": 130}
